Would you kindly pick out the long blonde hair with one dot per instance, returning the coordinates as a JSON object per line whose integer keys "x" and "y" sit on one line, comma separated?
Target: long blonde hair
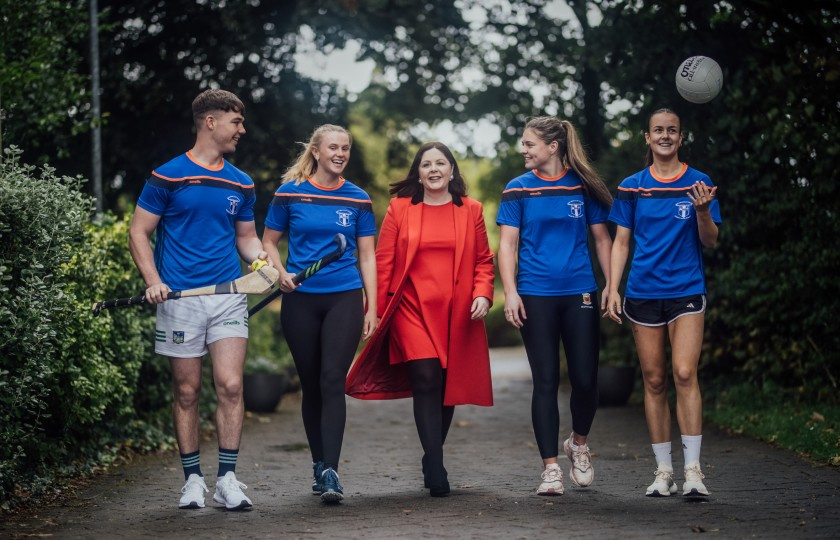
{"x": 305, "y": 164}
{"x": 572, "y": 154}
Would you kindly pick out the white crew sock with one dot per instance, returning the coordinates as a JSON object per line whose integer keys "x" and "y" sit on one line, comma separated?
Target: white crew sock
{"x": 662, "y": 451}
{"x": 691, "y": 448}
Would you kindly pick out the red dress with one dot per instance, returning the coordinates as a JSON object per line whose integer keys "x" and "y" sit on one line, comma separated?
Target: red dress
{"x": 420, "y": 327}
{"x": 381, "y": 369}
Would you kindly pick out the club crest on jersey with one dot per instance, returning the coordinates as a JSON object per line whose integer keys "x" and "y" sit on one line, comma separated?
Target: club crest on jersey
{"x": 177, "y": 336}
{"x": 575, "y": 209}
{"x": 343, "y": 217}
{"x": 234, "y": 203}
{"x": 683, "y": 210}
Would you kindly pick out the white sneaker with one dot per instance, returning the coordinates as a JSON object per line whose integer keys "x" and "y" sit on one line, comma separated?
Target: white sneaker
{"x": 229, "y": 493}
{"x": 693, "y": 485}
{"x": 581, "y": 472}
{"x": 193, "y": 492}
{"x": 552, "y": 480}
{"x": 663, "y": 485}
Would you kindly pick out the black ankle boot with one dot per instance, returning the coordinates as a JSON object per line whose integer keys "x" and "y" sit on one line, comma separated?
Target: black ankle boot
{"x": 424, "y": 463}
{"x": 439, "y": 483}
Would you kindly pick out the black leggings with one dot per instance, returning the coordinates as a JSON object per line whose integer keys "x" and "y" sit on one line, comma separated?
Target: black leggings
{"x": 550, "y": 319}
{"x": 428, "y": 381}
{"x": 323, "y": 331}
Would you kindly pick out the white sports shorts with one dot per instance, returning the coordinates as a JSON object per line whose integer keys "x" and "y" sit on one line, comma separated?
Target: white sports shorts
{"x": 186, "y": 326}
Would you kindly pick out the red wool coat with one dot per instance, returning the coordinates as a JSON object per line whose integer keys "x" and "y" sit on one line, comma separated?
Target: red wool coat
{"x": 372, "y": 375}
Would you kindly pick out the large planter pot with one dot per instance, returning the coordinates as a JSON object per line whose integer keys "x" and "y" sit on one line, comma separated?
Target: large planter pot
{"x": 615, "y": 385}
{"x": 262, "y": 391}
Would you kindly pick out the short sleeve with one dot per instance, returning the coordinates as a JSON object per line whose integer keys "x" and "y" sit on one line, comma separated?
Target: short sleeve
{"x": 277, "y": 217}
{"x": 596, "y": 212}
{"x": 366, "y": 224}
{"x": 153, "y": 199}
{"x": 510, "y": 209}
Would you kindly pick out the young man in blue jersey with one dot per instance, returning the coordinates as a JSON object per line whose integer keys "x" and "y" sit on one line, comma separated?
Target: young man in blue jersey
{"x": 545, "y": 218}
{"x": 201, "y": 209}
{"x": 670, "y": 211}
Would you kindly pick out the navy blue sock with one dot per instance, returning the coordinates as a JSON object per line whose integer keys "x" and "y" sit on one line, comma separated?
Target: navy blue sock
{"x": 191, "y": 464}
{"x": 227, "y": 461}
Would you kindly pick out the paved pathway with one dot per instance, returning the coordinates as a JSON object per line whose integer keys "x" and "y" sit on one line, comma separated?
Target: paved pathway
{"x": 493, "y": 463}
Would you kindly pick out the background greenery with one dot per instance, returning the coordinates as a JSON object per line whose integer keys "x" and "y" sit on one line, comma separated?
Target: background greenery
{"x": 74, "y": 385}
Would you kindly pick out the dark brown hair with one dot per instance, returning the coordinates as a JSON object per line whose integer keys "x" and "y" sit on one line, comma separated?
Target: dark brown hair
{"x": 215, "y": 100}
{"x": 410, "y": 186}
{"x": 663, "y": 110}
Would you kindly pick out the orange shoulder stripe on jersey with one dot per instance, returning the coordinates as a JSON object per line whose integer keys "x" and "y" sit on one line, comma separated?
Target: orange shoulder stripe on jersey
{"x": 665, "y": 188}
{"x": 202, "y": 177}
{"x": 309, "y": 196}
{"x": 654, "y": 189}
{"x": 567, "y": 188}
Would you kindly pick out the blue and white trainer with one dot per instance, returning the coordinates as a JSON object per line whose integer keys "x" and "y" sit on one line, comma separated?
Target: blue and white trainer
{"x": 331, "y": 490}
{"x": 317, "y": 469}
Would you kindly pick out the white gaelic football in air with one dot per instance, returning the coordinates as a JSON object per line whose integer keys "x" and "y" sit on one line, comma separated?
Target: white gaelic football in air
{"x": 699, "y": 79}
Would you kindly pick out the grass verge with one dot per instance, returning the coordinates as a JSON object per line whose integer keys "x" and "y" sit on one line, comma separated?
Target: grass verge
{"x": 781, "y": 418}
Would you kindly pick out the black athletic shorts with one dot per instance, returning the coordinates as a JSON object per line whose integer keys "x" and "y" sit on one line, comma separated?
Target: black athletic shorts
{"x": 659, "y": 312}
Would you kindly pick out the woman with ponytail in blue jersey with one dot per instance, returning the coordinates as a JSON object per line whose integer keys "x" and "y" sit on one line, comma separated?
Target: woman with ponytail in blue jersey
{"x": 670, "y": 211}
{"x": 545, "y": 217}
{"x": 324, "y": 317}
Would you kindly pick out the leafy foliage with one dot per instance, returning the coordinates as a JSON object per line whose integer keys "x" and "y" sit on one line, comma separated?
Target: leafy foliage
{"x": 68, "y": 378}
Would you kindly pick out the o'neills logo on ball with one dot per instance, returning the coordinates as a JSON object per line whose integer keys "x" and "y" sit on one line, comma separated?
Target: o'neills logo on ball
{"x": 689, "y": 68}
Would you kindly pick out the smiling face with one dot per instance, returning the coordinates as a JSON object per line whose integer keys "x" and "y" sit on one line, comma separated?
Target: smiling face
{"x": 663, "y": 135}
{"x": 535, "y": 151}
{"x": 332, "y": 153}
{"x": 226, "y": 129}
{"x": 435, "y": 171}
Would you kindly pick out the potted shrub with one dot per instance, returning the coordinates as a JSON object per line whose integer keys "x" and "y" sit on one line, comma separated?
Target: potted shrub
{"x": 269, "y": 371}
{"x": 616, "y": 371}
{"x": 263, "y": 384}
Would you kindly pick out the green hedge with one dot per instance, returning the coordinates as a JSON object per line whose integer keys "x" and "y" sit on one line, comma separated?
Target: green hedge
{"x": 69, "y": 381}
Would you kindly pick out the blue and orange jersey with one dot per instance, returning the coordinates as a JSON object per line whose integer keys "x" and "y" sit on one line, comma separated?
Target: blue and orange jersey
{"x": 195, "y": 240}
{"x": 668, "y": 255}
{"x": 552, "y": 215}
{"x": 312, "y": 215}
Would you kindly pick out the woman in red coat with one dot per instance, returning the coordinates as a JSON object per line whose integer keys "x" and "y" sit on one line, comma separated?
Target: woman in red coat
{"x": 435, "y": 286}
